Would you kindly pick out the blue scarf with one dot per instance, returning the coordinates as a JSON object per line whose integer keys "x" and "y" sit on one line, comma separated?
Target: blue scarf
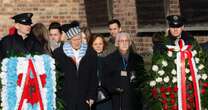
{"x": 68, "y": 50}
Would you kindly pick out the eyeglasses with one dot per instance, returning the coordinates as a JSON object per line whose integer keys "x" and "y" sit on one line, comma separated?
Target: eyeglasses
{"x": 123, "y": 41}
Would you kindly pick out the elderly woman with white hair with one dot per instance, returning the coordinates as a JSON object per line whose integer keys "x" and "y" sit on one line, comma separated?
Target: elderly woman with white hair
{"x": 123, "y": 74}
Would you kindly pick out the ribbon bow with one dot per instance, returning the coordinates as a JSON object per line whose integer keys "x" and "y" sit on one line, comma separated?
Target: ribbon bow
{"x": 183, "y": 52}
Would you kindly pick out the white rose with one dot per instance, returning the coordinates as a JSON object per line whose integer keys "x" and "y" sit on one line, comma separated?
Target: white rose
{"x": 190, "y": 78}
{"x": 170, "y": 53}
{"x": 175, "y": 61}
{"x": 194, "y": 52}
{"x": 166, "y": 79}
{"x": 199, "y": 76}
{"x": 164, "y": 63}
{"x": 161, "y": 72}
{"x": 201, "y": 67}
{"x": 197, "y": 60}
{"x": 155, "y": 68}
{"x": 152, "y": 83}
{"x": 173, "y": 72}
{"x": 159, "y": 79}
{"x": 174, "y": 80}
{"x": 187, "y": 70}
{"x": 204, "y": 76}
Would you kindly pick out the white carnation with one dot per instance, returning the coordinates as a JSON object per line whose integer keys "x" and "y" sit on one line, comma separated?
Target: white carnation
{"x": 170, "y": 53}
{"x": 174, "y": 80}
{"x": 164, "y": 63}
{"x": 155, "y": 68}
{"x": 173, "y": 72}
{"x": 204, "y": 76}
{"x": 201, "y": 67}
{"x": 161, "y": 72}
{"x": 152, "y": 83}
{"x": 187, "y": 70}
{"x": 190, "y": 78}
{"x": 159, "y": 79}
{"x": 166, "y": 79}
{"x": 197, "y": 60}
{"x": 194, "y": 52}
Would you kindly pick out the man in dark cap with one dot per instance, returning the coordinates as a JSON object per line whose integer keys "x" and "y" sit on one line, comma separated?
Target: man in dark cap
{"x": 20, "y": 42}
{"x": 78, "y": 63}
{"x": 175, "y": 31}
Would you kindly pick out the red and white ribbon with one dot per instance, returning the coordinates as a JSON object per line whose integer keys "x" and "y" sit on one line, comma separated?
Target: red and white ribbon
{"x": 183, "y": 52}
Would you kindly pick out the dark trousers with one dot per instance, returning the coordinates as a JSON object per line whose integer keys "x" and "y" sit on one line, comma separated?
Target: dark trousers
{"x": 104, "y": 105}
{"x": 78, "y": 106}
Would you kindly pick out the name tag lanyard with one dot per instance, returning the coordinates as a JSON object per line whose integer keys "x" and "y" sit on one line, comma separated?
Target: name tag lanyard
{"x": 125, "y": 64}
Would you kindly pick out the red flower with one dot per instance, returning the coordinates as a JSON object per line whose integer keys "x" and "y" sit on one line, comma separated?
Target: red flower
{"x": 188, "y": 106}
{"x": 174, "y": 107}
{"x": 203, "y": 91}
{"x": 165, "y": 107}
{"x": 168, "y": 89}
{"x": 154, "y": 92}
{"x": 191, "y": 99}
{"x": 164, "y": 102}
{"x": 163, "y": 96}
{"x": 19, "y": 80}
{"x": 205, "y": 84}
{"x": 12, "y": 30}
{"x": 172, "y": 96}
{"x": 175, "y": 89}
{"x": 190, "y": 86}
{"x": 162, "y": 89}
{"x": 172, "y": 101}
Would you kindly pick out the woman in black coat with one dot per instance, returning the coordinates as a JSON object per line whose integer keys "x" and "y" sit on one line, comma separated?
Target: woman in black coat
{"x": 123, "y": 74}
{"x": 78, "y": 63}
{"x": 99, "y": 44}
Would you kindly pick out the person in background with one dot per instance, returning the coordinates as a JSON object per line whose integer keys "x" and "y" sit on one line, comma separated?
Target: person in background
{"x": 114, "y": 27}
{"x": 56, "y": 36}
{"x": 99, "y": 44}
{"x": 124, "y": 73}
{"x": 86, "y": 34}
{"x": 40, "y": 32}
{"x": 78, "y": 63}
{"x": 21, "y": 42}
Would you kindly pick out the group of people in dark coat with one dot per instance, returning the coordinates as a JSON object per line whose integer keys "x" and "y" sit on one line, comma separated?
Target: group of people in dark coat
{"x": 90, "y": 82}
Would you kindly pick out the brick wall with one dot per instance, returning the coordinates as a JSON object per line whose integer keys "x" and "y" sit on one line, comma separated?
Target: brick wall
{"x": 125, "y": 11}
{"x": 173, "y": 7}
{"x": 44, "y": 11}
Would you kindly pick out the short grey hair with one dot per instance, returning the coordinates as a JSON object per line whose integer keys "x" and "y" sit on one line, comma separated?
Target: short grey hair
{"x": 122, "y": 34}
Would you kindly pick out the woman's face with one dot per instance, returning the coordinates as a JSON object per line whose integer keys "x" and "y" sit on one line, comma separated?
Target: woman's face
{"x": 76, "y": 42}
{"x": 98, "y": 45}
{"x": 123, "y": 44}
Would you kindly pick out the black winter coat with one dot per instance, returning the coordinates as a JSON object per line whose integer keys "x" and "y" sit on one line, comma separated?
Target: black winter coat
{"x": 15, "y": 45}
{"x": 128, "y": 99}
{"x": 79, "y": 84}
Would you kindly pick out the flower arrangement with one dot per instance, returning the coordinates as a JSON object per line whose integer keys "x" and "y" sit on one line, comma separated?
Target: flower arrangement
{"x": 28, "y": 83}
{"x": 165, "y": 83}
